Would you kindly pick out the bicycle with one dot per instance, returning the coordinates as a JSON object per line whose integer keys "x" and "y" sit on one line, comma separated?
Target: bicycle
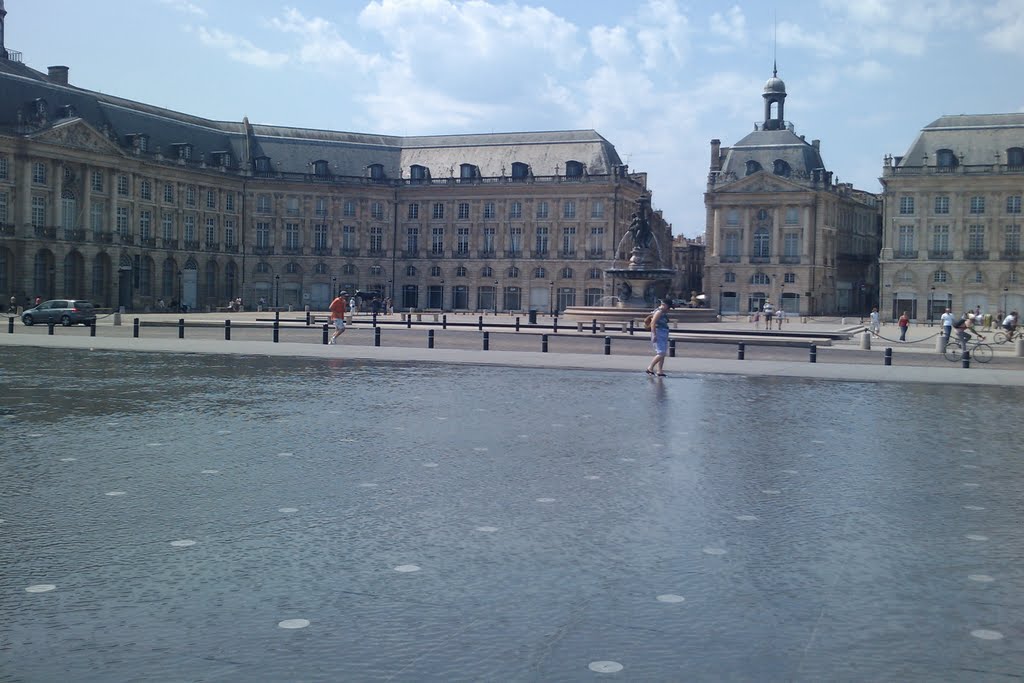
{"x": 1002, "y": 336}
{"x": 980, "y": 351}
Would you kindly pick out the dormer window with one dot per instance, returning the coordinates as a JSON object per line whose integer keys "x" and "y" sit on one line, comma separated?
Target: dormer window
{"x": 39, "y": 108}
{"x": 419, "y": 173}
{"x": 573, "y": 169}
{"x": 468, "y": 172}
{"x": 375, "y": 172}
{"x": 781, "y": 168}
{"x": 66, "y": 112}
{"x": 182, "y": 151}
{"x": 753, "y": 167}
{"x": 1015, "y": 156}
{"x": 946, "y": 159}
{"x": 221, "y": 158}
{"x": 321, "y": 168}
{"x": 262, "y": 164}
{"x": 139, "y": 141}
{"x": 520, "y": 171}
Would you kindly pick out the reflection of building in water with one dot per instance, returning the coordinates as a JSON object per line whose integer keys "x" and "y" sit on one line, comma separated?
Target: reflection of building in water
{"x": 124, "y": 203}
{"x": 779, "y": 228}
{"x": 953, "y": 218}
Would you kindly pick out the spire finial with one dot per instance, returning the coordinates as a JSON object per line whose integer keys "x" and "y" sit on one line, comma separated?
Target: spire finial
{"x": 775, "y": 44}
{"x": 775, "y": 69}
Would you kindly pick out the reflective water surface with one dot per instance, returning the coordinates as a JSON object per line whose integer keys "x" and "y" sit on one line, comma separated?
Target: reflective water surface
{"x": 205, "y": 518}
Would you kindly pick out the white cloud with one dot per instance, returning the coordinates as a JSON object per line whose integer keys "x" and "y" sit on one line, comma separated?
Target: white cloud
{"x": 732, "y": 25}
{"x": 1008, "y": 32}
{"x": 240, "y": 49}
{"x": 662, "y": 33}
{"x": 320, "y": 43}
{"x": 869, "y": 70}
{"x": 185, "y": 6}
{"x": 900, "y": 26}
{"x": 792, "y": 35}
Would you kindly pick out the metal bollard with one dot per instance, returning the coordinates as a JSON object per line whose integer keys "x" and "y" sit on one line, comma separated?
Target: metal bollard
{"x": 444, "y": 321}
{"x": 135, "y": 328}
{"x": 607, "y": 346}
{"x": 865, "y": 341}
{"x": 408, "y": 322}
{"x": 965, "y": 359}
{"x": 309, "y": 319}
{"x": 741, "y": 349}
{"x": 50, "y": 325}
{"x": 579, "y": 325}
{"x": 92, "y": 329}
{"x": 480, "y": 322}
{"x": 430, "y": 339}
{"x": 181, "y": 328}
{"x": 375, "y": 318}
{"x": 326, "y": 338}
{"x": 487, "y": 341}
{"x": 888, "y": 355}
{"x": 277, "y": 331}
{"x": 10, "y": 325}
{"x": 631, "y": 327}
{"x": 227, "y": 330}
{"x": 814, "y": 353}
{"x": 940, "y": 343}
{"x": 554, "y": 325}
{"x": 671, "y": 348}
{"x": 1020, "y": 348}
{"x": 593, "y": 326}
{"x": 544, "y": 343}
{"x": 517, "y": 323}
{"x": 376, "y": 336}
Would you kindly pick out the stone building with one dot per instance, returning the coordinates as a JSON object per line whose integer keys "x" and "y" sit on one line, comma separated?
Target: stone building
{"x": 688, "y": 260}
{"x": 953, "y": 218}
{"x": 128, "y": 204}
{"x": 779, "y": 228}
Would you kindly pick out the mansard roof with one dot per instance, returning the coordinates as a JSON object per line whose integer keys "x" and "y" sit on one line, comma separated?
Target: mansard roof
{"x": 977, "y": 137}
{"x": 767, "y": 146}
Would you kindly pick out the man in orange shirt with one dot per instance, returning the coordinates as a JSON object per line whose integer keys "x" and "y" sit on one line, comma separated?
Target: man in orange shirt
{"x": 338, "y": 308}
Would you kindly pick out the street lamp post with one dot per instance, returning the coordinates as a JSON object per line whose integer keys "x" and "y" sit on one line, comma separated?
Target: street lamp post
{"x": 1006, "y": 291}
{"x": 334, "y": 287}
{"x": 719, "y": 299}
{"x": 442, "y": 295}
{"x": 931, "y": 306}
{"x": 495, "y": 297}
{"x": 277, "y": 291}
{"x": 181, "y": 303}
{"x": 551, "y": 297}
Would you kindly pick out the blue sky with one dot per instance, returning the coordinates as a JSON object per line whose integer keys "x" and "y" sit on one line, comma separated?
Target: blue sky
{"x": 658, "y": 78}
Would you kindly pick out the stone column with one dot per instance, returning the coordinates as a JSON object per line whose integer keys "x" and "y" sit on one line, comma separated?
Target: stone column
{"x": 58, "y": 191}
{"x": 86, "y": 199}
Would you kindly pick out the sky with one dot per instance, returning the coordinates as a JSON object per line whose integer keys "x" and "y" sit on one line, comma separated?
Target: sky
{"x": 657, "y": 78}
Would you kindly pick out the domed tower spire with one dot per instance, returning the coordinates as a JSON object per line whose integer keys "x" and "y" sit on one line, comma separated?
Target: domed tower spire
{"x": 774, "y": 94}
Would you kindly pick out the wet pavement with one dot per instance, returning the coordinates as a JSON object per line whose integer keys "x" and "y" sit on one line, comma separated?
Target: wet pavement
{"x": 239, "y": 518}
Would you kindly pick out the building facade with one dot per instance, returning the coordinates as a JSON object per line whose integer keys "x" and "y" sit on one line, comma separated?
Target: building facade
{"x": 779, "y": 228}
{"x": 953, "y": 218}
{"x": 688, "y": 260}
{"x": 129, "y": 204}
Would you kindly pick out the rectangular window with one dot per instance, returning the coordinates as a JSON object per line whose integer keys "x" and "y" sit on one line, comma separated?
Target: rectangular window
{"x": 412, "y": 240}
{"x": 596, "y": 239}
{"x": 291, "y": 206}
{"x": 377, "y": 210}
{"x": 791, "y": 244}
{"x": 977, "y": 205}
{"x": 146, "y": 190}
{"x": 942, "y": 204}
{"x": 229, "y": 232}
{"x": 122, "y": 185}
{"x": 96, "y": 213}
{"x": 39, "y": 173}
{"x": 190, "y": 230}
{"x": 168, "y": 193}
{"x": 515, "y": 210}
{"x": 789, "y": 278}
{"x": 515, "y": 239}
{"x": 542, "y": 209}
{"x": 167, "y": 226}
{"x": 463, "y": 241}
{"x": 463, "y": 211}
{"x": 3, "y": 207}
{"x": 437, "y": 212}
{"x": 568, "y": 241}
{"x": 263, "y": 203}
{"x": 906, "y": 206}
{"x": 96, "y": 181}
{"x": 976, "y": 239}
{"x": 122, "y": 221}
{"x": 291, "y": 235}
{"x": 38, "y": 212}
{"x": 792, "y": 216}
{"x": 732, "y": 245}
{"x": 414, "y": 211}
{"x": 348, "y": 238}
{"x": 489, "y": 240}
{"x": 376, "y": 239}
{"x": 320, "y": 208}
{"x": 906, "y": 240}
{"x": 1012, "y": 240}
{"x": 211, "y": 199}
{"x": 229, "y": 201}
{"x": 190, "y": 195}
{"x": 541, "y": 241}
{"x": 211, "y": 230}
{"x": 488, "y": 211}
{"x": 349, "y": 208}
{"x": 940, "y": 239}
{"x": 145, "y": 224}
{"x": 320, "y": 236}
{"x": 597, "y": 208}
{"x": 732, "y": 217}
{"x": 569, "y": 209}
{"x": 262, "y": 235}
{"x": 1013, "y": 204}
{"x": 437, "y": 240}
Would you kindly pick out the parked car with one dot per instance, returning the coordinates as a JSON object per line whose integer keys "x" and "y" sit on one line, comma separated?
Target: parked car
{"x": 67, "y": 312}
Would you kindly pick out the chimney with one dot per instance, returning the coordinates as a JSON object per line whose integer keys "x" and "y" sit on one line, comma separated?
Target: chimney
{"x": 716, "y": 155}
{"x": 816, "y": 144}
{"x": 57, "y": 74}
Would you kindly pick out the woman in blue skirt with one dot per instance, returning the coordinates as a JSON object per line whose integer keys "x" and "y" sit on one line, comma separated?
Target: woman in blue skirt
{"x": 659, "y": 338}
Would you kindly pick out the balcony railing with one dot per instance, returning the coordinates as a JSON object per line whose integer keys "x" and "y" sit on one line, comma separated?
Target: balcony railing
{"x": 231, "y": 248}
{"x": 411, "y": 253}
{"x": 263, "y": 251}
{"x": 789, "y": 259}
{"x": 148, "y": 242}
{"x": 192, "y": 245}
{"x": 461, "y": 253}
{"x": 75, "y": 235}
{"x": 487, "y": 253}
{"x": 905, "y": 254}
{"x": 169, "y": 244}
{"x": 939, "y": 255}
{"x": 513, "y": 253}
{"x": 375, "y": 252}
{"x": 595, "y": 253}
{"x": 7, "y": 229}
{"x": 435, "y": 254}
{"x": 1010, "y": 254}
{"x": 760, "y": 259}
{"x": 291, "y": 251}
{"x": 211, "y": 246}
{"x": 124, "y": 238}
{"x": 44, "y": 232}
{"x": 566, "y": 253}
{"x": 541, "y": 253}
{"x": 349, "y": 252}
{"x": 729, "y": 258}
{"x": 976, "y": 255}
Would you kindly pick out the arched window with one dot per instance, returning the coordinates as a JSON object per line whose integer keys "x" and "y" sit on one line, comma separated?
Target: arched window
{"x": 292, "y": 268}
{"x": 348, "y": 269}
{"x": 762, "y": 243}
{"x": 573, "y": 169}
{"x": 781, "y": 168}
{"x": 594, "y": 274}
{"x": 321, "y": 168}
{"x": 753, "y": 167}
{"x": 940, "y": 276}
{"x": 905, "y": 277}
{"x": 375, "y": 172}
{"x": 567, "y": 273}
{"x": 410, "y": 271}
{"x": 539, "y": 273}
{"x": 520, "y": 170}
{"x": 945, "y": 159}
{"x": 730, "y": 276}
{"x": 419, "y": 173}
{"x": 435, "y": 271}
{"x": 759, "y": 279}
{"x": 262, "y": 164}
{"x": 262, "y": 267}
{"x": 461, "y": 271}
{"x": 513, "y": 272}
{"x": 320, "y": 269}
{"x": 1015, "y": 156}
{"x": 486, "y": 272}
{"x": 468, "y": 172}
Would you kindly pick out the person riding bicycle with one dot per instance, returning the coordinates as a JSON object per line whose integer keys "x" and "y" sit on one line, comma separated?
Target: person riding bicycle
{"x": 964, "y": 327}
{"x": 1010, "y": 323}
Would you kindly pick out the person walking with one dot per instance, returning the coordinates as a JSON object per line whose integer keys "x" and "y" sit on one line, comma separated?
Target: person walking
{"x": 769, "y": 311}
{"x": 904, "y": 323}
{"x": 338, "y": 308}
{"x": 947, "y": 319}
{"x": 875, "y": 324}
{"x": 780, "y": 315}
{"x": 659, "y": 338}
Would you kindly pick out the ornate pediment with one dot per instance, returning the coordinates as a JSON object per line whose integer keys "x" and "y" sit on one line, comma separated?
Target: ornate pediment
{"x": 78, "y": 134}
{"x": 762, "y": 182}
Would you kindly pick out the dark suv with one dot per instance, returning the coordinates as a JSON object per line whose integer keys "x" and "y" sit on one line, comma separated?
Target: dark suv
{"x": 67, "y": 312}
